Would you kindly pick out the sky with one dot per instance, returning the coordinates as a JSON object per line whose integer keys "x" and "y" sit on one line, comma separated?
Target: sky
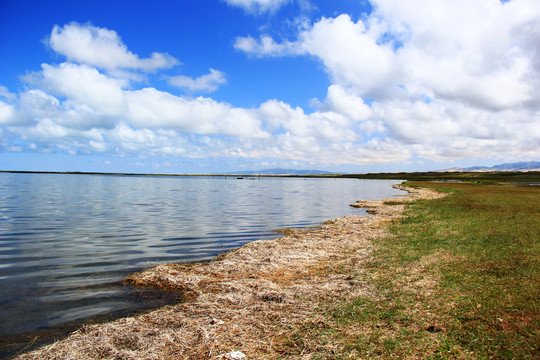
{"x": 217, "y": 86}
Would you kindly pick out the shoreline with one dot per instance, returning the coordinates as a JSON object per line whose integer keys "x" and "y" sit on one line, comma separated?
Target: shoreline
{"x": 250, "y": 300}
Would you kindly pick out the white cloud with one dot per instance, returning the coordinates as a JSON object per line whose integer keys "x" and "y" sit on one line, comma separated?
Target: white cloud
{"x": 156, "y": 123}
{"x": 346, "y": 103}
{"x": 151, "y": 108}
{"x": 448, "y": 130}
{"x": 351, "y": 57}
{"x": 102, "y": 48}
{"x": 204, "y": 83}
{"x": 474, "y": 56}
{"x": 266, "y": 46}
{"x": 142, "y": 141}
{"x": 5, "y": 93}
{"x": 445, "y": 82}
{"x": 34, "y": 105}
{"x": 50, "y": 135}
{"x": 258, "y": 6}
{"x": 484, "y": 56}
{"x": 327, "y": 126}
{"x": 415, "y": 79}
{"x": 6, "y": 112}
{"x": 85, "y": 85}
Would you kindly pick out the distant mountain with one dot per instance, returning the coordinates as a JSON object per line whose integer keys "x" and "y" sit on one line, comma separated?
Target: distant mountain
{"x": 280, "y": 171}
{"x": 517, "y": 166}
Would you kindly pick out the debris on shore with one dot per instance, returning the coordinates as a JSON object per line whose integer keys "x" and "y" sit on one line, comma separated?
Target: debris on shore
{"x": 249, "y": 303}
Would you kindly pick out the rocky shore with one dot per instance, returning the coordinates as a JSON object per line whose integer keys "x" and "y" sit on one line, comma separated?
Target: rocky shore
{"x": 250, "y": 303}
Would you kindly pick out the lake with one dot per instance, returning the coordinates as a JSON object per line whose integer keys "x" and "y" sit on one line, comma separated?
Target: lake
{"x": 67, "y": 240}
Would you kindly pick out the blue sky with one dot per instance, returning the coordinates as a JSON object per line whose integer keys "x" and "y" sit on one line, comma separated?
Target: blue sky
{"x": 218, "y": 86}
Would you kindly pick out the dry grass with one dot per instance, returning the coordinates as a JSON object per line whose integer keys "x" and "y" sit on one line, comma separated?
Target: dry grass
{"x": 261, "y": 299}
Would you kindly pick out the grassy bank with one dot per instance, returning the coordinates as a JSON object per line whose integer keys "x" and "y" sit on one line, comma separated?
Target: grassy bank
{"x": 459, "y": 278}
{"x": 484, "y": 177}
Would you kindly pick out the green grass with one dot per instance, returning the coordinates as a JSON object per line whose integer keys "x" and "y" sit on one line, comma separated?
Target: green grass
{"x": 460, "y": 278}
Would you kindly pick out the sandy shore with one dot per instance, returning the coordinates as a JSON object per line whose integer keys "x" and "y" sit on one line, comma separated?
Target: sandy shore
{"x": 249, "y": 303}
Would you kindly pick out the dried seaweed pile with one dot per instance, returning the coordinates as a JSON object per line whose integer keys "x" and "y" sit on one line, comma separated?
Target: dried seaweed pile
{"x": 251, "y": 302}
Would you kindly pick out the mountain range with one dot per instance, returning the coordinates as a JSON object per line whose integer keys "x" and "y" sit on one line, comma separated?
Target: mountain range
{"x": 517, "y": 166}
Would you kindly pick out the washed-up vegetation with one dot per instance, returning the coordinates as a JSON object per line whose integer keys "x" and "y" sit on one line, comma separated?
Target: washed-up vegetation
{"x": 445, "y": 278}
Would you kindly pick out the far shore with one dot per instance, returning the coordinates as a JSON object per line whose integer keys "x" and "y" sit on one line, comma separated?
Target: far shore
{"x": 488, "y": 176}
{"x": 248, "y": 303}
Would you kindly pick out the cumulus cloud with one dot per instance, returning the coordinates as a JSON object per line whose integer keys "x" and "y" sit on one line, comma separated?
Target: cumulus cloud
{"x": 446, "y": 82}
{"x": 6, "y": 112}
{"x": 84, "y": 85}
{"x": 204, "y": 83}
{"x": 343, "y": 101}
{"x": 483, "y": 56}
{"x": 151, "y": 108}
{"x": 87, "y": 104}
{"x": 411, "y": 79}
{"x": 102, "y": 48}
{"x": 352, "y": 57}
{"x": 328, "y": 126}
{"x": 266, "y": 46}
{"x": 6, "y": 94}
{"x": 258, "y": 6}
{"x": 482, "y": 61}
{"x": 149, "y": 122}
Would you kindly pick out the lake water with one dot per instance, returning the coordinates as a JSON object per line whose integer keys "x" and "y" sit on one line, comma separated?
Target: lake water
{"x": 68, "y": 241}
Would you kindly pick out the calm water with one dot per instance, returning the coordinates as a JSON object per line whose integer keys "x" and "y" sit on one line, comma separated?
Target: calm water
{"x": 67, "y": 241}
